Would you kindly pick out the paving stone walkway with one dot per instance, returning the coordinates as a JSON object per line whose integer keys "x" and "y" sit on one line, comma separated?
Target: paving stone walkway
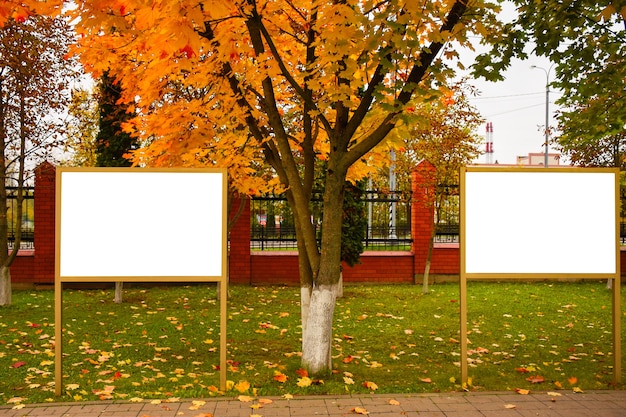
{"x": 491, "y": 404}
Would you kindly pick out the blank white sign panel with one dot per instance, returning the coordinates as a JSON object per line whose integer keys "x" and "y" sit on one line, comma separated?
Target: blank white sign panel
{"x": 548, "y": 221}
{"x": 141, "y": 223}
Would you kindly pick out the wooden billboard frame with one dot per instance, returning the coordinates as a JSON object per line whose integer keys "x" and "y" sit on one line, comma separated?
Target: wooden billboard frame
{"x": 500, "y": 187}
{"x": 203, "y": 271}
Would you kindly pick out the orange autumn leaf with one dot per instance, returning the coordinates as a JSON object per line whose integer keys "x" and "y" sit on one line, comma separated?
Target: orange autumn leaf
{"x": 280, "y": 377}
{"x": 302, "y": 372}
{"x": 359, "y": 410}
{"x": 536, "y": 379}
{"x": 426, "y": 380}
{"x": 370, "y": 385}
{"x": 572, "y": 380}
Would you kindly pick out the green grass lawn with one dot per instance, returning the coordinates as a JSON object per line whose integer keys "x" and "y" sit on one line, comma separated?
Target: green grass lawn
{"x": 164, "y": 341}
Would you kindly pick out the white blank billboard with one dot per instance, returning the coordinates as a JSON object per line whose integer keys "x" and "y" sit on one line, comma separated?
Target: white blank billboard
{"x": 539, "y": 221}
{"x": 140, "y": 223}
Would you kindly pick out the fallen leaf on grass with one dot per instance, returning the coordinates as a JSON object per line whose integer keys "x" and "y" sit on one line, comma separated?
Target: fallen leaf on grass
{"x": 16, "y": 400}
{"x": 426, "y": 380}
{"x": 304, "y": 382}
{"x": 242, "y": 386}
{"x": 280, "y": 377}
{"x": 572, "y": 380}
{"x": 536, "y": 379}
{"x": 18, "y": 364}
{"x": 370, "y": 385}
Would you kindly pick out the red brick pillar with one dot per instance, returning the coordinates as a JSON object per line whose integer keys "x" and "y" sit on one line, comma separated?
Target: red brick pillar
{"x": 239, "y": 267}
{"x": 422, "y": 188}
{"x": 45, "y": 179}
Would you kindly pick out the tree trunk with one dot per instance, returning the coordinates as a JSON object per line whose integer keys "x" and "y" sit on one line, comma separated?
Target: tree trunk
{"x": 119, "y": 286}
{"x": 316, "y": 354}
{"x": 5, "y": 286}
{"x": 318, "y": 329}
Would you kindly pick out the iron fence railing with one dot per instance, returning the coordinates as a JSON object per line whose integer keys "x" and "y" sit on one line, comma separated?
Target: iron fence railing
{"x": 388, "y": 213}
{"x": 26, "y": 218}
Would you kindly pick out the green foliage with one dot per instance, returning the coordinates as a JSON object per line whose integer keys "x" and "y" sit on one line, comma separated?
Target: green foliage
{"x": 587, "y": 42}
{"x": 354, "y": 225}
{"x": 112, "y": 143}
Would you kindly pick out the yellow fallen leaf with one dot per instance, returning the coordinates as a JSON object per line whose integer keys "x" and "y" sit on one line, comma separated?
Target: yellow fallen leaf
{"x": 510, "y": 406}
{"x": 15, "y": 400}
{"x": 196, "y": 404}
{"x": 288, "y": 396}
{"x": 348, "y": 381}
{"x": 242, "y": 386}
{"x": 394, "y": 402}
{"x": 553, "y": 394}
{"x": 359, "y": 410}
{"x": 304, "y": 382}
{"x": 577, "y": 390}
{"x": 18, "y": 407}
{"x": 522, "y": 391}
{"x": 265, "y": 401}
{"x": 245, "y": 398}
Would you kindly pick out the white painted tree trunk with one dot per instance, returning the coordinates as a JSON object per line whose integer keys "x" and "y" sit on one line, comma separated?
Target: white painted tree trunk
{"x": 5, "y": 286}
{"x": 305, "y": 303}
{"x": 317, "y": 338}
{"x": 119, "y": 286}
{"x": 340, "y": 286}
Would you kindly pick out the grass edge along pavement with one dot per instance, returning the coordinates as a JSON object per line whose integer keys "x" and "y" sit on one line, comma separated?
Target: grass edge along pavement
{"x": 162, "y": 342}
{"x": 482, "y": 404}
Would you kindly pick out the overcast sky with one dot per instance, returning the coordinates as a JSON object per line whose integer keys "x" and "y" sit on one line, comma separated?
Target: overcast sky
{"x": 516, "y": 106}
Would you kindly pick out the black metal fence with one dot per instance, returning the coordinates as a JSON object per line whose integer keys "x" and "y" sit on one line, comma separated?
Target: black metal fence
{"x": 26, "y": 218}
{"x": 388, "y": 214}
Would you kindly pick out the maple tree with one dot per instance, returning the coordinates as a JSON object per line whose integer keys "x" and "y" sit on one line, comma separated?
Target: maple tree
{"x": 34, "y": 76}
{"x": 279, "y": 84}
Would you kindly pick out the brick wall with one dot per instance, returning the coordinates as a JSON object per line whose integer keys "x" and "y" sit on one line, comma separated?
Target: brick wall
{"x": 37, "y": 266}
